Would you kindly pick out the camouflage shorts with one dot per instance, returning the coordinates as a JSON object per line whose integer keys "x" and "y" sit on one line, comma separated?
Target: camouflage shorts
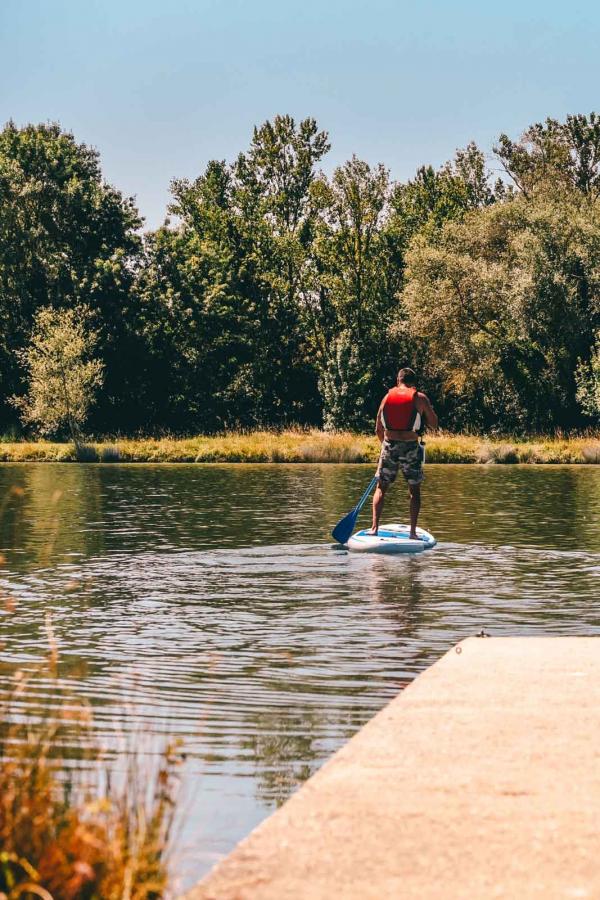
{"x": 404, "y": 455}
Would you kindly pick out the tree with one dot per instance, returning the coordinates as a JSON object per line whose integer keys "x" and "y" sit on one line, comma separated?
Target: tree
{"x": 284, "y": 296}
{"x": 565, "y": 154}
{"x": 62, "y": 378}
{"x": 196, "y": 293}
{"x": 507, "y": 301}
{"x": 66, "y": 238}
{"x": 432, "y": 198}
{"x": 357, "y": 278}
{"x": 232, "y": 278}
{"x": 274, "y": 199}
{"x": 344, "y": 384}
{"x": 587, "y": 378}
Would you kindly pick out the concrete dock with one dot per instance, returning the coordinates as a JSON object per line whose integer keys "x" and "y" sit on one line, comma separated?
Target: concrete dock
{"x": 480, "y": 780}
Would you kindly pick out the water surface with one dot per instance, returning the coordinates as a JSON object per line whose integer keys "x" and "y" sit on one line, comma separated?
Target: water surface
{"x": 212, "y": 599}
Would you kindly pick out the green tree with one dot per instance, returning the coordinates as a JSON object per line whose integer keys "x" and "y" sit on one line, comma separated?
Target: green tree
{"x": 561, "y": 154}
{"x": 356, "y": 281}
{"x": 281, "y": 295}
{"x": 232, "y": 280}
{"x": 198, "y": 293}
{"x": 507, "y": 301}
{"x": 273, "y": 193}
{"x": 66, "y": 238}
{"x": 62, "y": 378}
{"x": 344, "y": 383}
{"x": 427, "y": 202}
{"x": 587, "y": 378}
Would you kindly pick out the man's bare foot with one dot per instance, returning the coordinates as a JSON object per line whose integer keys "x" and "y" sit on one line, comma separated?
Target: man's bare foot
{"x": 372, "y": 531}
{"x": 414, "y": 536}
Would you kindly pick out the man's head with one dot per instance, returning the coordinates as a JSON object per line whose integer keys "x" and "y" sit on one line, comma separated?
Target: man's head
{"x": 407, "y": 377}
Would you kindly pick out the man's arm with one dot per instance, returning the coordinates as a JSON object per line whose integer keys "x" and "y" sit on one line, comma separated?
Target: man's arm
{"x": 379, "y": 427}
{"x": 427, "y": 412}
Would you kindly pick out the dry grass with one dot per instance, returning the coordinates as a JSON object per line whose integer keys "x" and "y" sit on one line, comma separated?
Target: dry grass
{"x": 73, "y": 833}
{"x": 297, "y": 446}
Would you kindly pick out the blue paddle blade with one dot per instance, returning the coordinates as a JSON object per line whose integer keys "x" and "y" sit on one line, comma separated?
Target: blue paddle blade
{"x": 344, "y": 528}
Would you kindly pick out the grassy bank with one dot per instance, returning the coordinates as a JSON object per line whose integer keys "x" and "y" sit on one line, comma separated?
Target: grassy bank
{"x": 308, "y": 446}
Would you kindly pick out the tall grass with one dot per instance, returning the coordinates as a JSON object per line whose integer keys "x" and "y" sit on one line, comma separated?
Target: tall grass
{"x": 297, "y": 446}
{"x": 74, "y": 830}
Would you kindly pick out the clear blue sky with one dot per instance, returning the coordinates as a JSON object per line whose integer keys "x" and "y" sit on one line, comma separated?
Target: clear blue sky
{"x": 159, "y": 87}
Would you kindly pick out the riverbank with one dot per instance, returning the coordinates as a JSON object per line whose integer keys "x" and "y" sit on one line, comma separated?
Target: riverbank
{"x": 314, "y": 446}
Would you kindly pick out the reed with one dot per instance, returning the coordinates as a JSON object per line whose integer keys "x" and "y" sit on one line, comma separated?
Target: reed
{"x": 75, "y": 831}
{"x": 308, "y": 446}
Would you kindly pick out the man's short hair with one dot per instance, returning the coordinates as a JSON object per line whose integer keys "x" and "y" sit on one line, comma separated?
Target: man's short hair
{"x": 407, "y": 377}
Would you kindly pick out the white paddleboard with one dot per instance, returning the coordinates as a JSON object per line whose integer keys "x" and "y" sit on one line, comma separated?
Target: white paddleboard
{"x": 392, "y": 538}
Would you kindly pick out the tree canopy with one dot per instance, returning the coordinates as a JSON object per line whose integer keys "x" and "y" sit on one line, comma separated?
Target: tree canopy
{"x": 276, "y": 294}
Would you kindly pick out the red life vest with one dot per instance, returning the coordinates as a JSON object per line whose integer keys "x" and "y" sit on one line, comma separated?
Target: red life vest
{"x": 399, "y": 411}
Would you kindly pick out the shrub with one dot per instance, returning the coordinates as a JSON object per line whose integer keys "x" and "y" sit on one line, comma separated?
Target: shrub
{"x": 591, "y": 452}
{"x": 498, "y": 453}
{"x": 86, "y": 453}
{"x": 110, "y": 454}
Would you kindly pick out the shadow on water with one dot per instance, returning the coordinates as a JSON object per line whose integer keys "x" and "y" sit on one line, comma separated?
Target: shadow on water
{"x": 212, "y": 595}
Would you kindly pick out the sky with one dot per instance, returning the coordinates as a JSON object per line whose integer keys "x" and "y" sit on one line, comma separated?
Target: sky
{"x": 160, "y": 87}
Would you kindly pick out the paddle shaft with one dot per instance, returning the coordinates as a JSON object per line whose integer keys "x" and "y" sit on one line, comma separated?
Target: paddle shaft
{"x": 363, "y": 499}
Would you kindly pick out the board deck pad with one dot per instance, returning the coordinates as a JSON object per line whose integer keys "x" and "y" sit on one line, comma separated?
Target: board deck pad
{"x": 392, "y": 538}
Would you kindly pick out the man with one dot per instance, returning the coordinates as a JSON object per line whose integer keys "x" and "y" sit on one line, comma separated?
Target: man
{"x": 403, "y": 412}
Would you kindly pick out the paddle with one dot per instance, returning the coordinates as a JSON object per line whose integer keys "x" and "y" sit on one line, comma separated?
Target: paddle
{"x": 345, "y": 526}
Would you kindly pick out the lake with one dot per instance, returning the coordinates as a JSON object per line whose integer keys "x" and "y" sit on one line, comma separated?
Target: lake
{"x": 210, "y": 601}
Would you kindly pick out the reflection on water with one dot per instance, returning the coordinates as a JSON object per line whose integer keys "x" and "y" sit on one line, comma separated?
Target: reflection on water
{"x": 213, "y": 598}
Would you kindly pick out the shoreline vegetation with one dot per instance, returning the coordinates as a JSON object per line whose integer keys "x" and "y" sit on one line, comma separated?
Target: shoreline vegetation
{"x": 307, "y": 446}
{"x": 100, "y": 826}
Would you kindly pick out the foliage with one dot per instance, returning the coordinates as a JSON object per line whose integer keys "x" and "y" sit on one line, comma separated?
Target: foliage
{"x": 283, "y": 296}
{"x": 66, "y": 239}
{"x": 61, "y": 378}
{"x": 82, "y": 835}
{"x": 561, "y": 154}
{"x": 354, "y": 293}
{"x": 232, "y": 278}
{"x": 342, "y": 384}
{"x": 507, "y": 302}
{"x": 587, "y": 378}
{"x": 424, "y": 204}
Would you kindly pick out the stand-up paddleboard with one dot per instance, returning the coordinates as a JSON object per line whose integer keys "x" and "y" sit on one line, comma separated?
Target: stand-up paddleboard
{"x": 391, "y": 539}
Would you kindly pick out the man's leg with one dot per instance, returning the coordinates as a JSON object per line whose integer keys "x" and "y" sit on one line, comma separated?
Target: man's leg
{"x": 378, "y": 501}
{"x": 414, "y": 491}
